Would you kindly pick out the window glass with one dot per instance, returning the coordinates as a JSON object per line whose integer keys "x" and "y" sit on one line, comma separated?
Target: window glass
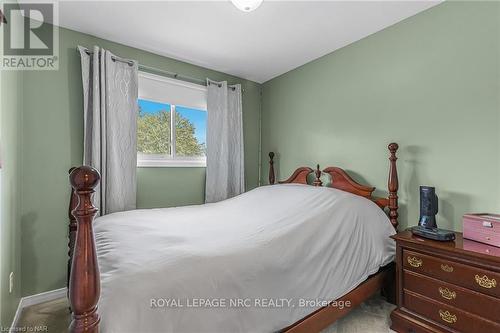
{"x": 190, "y": 132}
{"x": 154, "y": 128}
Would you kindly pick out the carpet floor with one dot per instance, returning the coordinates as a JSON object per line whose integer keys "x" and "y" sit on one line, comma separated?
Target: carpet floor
{"x": 53, "y": 317}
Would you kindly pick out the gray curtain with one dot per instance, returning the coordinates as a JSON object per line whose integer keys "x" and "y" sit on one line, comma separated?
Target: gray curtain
{"x": 225, "y": 152}
{"x": 110, "y": 127}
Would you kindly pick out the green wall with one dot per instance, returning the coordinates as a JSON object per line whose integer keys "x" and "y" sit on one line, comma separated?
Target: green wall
{"x": 10, "y": 233}
{"x": 52, "y": 143}
{"x": 11, "y": 103}
{"x": 430, "y": 83}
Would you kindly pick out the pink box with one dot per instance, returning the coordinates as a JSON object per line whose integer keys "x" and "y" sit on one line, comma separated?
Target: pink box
{"x": 483, "y": 227}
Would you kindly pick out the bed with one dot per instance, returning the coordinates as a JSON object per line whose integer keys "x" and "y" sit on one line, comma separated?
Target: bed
{"x": 283, "y": 257}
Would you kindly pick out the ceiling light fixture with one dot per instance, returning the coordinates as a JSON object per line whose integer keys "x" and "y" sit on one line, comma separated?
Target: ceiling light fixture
{"x": 247, "y": 5}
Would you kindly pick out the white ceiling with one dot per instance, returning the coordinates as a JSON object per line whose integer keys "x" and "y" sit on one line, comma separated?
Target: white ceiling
{"x": 276, "y": 38}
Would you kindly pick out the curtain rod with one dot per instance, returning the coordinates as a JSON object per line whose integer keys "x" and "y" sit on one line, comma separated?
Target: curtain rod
{"x": 163, "y": 72}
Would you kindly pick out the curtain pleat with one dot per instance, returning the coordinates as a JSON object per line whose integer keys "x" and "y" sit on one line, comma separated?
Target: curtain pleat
{"x": 110, "y": 90}
{"x": 225, "y": 174}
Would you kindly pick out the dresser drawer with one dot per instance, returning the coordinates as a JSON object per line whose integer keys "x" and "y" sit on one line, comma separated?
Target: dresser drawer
{"x": 401, "y": 322}
{"x": 481, "y": 280}
{"x": 461, "y": 298}
{"x": 448, "y": 316}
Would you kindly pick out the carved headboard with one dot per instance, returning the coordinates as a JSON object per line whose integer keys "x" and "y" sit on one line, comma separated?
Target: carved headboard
{"x": 342, "y": 181}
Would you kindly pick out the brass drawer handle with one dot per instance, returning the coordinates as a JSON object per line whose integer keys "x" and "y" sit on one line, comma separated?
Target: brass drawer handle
{"x": 447, "y": 293}
{"x": 415, "y": 262}
{"x": 485, "y": 282}
{"x": 448, "y": 317}
{"x": 447, "y": 268}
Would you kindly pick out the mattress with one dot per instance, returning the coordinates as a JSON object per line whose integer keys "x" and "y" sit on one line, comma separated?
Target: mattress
{"x": 254, "y": 263}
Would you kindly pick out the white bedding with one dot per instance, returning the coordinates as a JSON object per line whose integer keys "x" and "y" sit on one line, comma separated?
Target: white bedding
{"x": 269, "y": 249}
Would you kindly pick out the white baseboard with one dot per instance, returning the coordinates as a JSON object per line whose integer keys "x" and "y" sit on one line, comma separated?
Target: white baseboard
{"x": 36, "y": 299}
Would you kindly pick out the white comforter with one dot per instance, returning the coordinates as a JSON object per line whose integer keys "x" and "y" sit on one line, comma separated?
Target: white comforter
{"x": 247, "y": 264}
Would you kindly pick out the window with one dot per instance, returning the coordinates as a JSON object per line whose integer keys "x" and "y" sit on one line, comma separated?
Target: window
{"x": 172, "y": 123}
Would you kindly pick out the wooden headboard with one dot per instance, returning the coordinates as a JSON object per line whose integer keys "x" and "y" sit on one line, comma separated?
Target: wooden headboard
{"x": 342, "y": 181}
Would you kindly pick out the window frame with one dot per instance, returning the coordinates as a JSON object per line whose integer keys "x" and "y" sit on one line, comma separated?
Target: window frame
{"x": 172, "y": 160}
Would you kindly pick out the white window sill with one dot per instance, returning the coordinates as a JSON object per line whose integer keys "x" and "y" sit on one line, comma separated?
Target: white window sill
{"x": 177, "y": 163}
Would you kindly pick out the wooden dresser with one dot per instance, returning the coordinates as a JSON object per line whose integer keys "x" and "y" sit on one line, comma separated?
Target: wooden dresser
{"x": 446, "y": 286}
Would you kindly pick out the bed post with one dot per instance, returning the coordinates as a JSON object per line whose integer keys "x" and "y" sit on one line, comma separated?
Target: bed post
{"x": 84, "y": 285}
{"x": 73, "y": 202}
{"x": 393, "y": 185}
{"x": 271, "y": 168}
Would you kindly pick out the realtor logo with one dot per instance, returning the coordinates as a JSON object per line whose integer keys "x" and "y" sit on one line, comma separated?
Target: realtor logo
{"x": 30, "y": 36}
